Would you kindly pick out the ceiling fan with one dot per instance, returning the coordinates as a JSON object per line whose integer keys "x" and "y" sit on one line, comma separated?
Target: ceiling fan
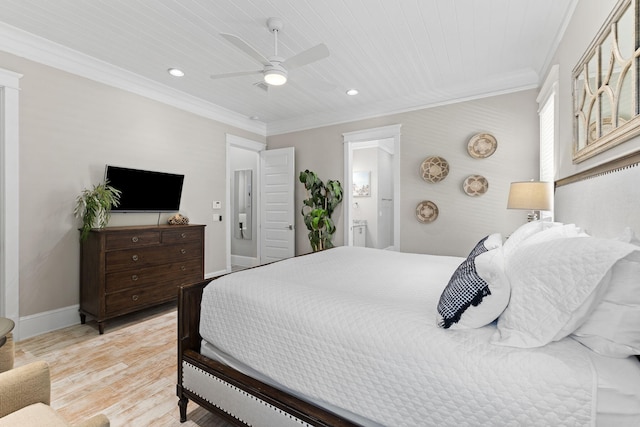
{"x": 275, "y": 68}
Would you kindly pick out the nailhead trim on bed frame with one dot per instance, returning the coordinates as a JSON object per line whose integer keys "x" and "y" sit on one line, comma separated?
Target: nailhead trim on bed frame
{"x": 249, "y": 409}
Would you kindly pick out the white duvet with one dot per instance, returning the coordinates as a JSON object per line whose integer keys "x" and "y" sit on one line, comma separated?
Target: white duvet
{"x": 355, "y": 328}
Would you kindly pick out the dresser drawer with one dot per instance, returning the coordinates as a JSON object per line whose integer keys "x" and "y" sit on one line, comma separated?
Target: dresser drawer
{"x": 143, "y": 257}
{"x": 130, "y": 268}
{"x": 131, "y": 239}
{"x": 178, "y": 272}
{"x": 134, "y": 299}
{"x": 181, "y": 235}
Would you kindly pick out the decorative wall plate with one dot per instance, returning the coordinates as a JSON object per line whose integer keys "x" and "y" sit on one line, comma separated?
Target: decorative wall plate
{"x": 426, "y": 211}
{"x": 434, "y": 169}
{"x": 475, "y": 185}
{"x": 482, "y": 145}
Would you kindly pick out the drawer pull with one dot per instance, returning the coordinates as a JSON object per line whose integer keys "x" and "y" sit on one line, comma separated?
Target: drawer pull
{"x": 134, "y": 277}
{"x": 135, "y": 297}
{"x": 183, "y": 268}
{"x": 134, "y": 239}
{"x": 135, "y": 258}
{"x": 183, "y": 235}
{"x": 183, "y": 251}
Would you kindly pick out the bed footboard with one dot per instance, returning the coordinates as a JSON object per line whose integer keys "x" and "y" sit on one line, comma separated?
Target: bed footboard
{"x": 220, "y": 389}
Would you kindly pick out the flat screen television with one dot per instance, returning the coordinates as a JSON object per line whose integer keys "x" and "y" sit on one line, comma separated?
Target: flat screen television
{"x": 145, "y": 191}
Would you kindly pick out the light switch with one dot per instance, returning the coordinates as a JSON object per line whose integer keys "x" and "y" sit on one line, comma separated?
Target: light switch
{"x": 217, "y": 204}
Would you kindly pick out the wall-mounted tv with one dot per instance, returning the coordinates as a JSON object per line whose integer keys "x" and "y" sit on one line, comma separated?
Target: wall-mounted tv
{"x": 145, "y": 191}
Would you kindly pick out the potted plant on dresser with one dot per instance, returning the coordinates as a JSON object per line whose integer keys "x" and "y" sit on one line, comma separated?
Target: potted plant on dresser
{"x": 94, "y": 207}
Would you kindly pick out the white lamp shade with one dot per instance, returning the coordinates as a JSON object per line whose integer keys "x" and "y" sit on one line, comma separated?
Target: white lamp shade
{"x": 531, "y": 195}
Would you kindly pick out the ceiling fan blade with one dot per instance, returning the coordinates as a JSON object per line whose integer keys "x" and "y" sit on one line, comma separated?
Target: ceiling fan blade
{"x": 245, "y": 47}
{"x": 239, "y": 73}
{"x": 308, "y": 56}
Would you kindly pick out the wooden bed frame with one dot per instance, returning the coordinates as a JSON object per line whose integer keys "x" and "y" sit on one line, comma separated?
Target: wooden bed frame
{"x": 256, "y": 398}
{"x": 252, "y": 391}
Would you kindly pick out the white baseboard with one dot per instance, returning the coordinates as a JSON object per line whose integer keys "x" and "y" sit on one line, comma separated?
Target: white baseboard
{"x": 40, "y": 323}
{"x": 244, "y": 261}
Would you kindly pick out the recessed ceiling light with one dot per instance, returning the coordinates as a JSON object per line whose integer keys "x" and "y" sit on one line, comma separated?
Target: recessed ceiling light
{"x": 352, "y": 92}
{"x": 254, "y": 118}
{"x": 175, "y": 72}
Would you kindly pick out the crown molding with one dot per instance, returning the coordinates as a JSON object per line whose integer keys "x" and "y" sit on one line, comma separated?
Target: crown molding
{"x": 43, "y": 51}
{"x": 339, "y": 117}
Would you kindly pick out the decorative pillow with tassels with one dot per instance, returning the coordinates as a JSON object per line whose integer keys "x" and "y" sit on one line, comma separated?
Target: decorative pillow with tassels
{"x": 478, "y": 291}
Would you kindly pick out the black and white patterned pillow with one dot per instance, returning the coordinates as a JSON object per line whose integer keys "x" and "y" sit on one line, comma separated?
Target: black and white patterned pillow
{"x": 478, "y": 290}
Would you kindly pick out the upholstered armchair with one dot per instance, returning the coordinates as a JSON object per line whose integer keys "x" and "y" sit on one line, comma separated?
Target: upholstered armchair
{"x": 25, "y": 394}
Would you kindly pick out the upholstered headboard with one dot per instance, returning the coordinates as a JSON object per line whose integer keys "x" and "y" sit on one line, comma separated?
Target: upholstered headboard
{"x": 602, "y": 200}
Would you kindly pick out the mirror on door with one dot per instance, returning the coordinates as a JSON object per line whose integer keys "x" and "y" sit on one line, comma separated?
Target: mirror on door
{"x": 242, "y": 201}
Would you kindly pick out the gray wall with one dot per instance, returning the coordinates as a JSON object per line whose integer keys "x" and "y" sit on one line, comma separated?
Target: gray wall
{"x": 442, "y": 131}
{"x": 70, "y": 127}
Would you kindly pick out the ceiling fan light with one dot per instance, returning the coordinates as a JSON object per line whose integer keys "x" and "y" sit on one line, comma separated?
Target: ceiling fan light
{"x": 275, "y": 77}
{"x": 176, "y": 72}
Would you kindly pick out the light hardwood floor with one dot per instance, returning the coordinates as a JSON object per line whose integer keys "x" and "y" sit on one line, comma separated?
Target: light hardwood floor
{"x": 128, "y": 373}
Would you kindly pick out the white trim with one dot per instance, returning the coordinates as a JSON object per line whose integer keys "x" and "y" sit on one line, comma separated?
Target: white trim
{"x": 350, "y": 140}
{"x": 549, "y": 87}
{"x": 383, "y": 132}
{"x": 9, "y": 198}
{"x": 246, "y": 144}
{"x": 41, "y": 50}
{"x": 40, "y": 323}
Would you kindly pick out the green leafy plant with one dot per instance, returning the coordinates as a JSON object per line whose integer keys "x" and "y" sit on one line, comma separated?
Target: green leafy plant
{"x": 322, "y": 200}
{"x": 94, "y": 207}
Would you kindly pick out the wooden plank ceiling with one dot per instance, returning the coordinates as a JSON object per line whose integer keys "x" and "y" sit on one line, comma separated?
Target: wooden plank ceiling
{"x": 399, "y": 54}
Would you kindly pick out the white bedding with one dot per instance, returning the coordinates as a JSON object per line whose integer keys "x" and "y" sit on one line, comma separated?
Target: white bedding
{"x": 355, "y": 328}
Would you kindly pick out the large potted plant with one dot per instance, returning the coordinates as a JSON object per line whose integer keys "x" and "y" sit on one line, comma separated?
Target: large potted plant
{"x": 94, "y": 207}
{"x": 322, "y": 200}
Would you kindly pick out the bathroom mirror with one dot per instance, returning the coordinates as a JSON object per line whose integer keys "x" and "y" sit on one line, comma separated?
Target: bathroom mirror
{"x": 242, "y": 197}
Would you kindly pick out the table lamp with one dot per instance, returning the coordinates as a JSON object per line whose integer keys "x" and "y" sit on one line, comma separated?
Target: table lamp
{"x": 533, "y": 196}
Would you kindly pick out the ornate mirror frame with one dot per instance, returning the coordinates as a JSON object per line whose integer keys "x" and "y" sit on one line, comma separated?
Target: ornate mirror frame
{"x": 606, "y": 101}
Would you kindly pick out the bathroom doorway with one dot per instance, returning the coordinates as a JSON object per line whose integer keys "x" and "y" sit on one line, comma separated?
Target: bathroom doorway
{"x": 372, "y": 188}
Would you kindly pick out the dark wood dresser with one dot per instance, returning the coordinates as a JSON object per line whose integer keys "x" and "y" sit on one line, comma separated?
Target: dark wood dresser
{"x": 125, "y": 269}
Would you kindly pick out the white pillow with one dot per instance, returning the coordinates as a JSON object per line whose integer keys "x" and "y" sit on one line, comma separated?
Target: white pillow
{"x": 524, "y": 232}
{"x": 555, "y": 285}
{"x": 629, "y": 236}
{"x": 613, "y": 329}
{"x": 557, "y": 231}
{"x": 478, "y": 290}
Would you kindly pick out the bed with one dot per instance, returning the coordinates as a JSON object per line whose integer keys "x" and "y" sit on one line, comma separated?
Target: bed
{"x": 357, "y": 336}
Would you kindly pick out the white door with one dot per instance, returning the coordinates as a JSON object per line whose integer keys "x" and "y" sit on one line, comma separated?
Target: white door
{"x": 277, "y": 204}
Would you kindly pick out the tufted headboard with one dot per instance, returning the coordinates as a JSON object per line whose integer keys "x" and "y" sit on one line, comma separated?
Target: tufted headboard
{"x": 602, "y": 200}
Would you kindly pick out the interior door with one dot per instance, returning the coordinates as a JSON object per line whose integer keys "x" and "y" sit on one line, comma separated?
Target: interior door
{"x": 277, "y": 204}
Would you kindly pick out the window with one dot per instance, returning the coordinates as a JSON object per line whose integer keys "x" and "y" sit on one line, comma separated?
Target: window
{"x": 547, "y": 101}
